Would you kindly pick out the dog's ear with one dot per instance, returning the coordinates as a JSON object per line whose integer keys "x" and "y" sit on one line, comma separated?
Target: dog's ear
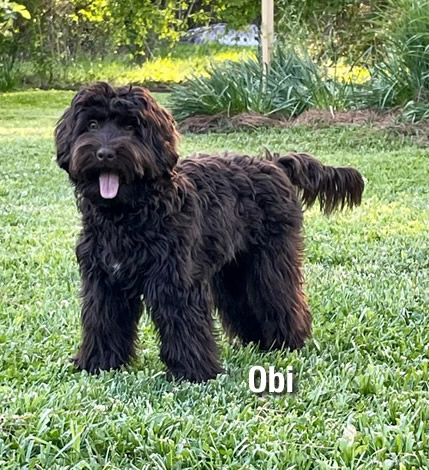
{"x": 63, "y": 132}
{"x": 159, "y": 127}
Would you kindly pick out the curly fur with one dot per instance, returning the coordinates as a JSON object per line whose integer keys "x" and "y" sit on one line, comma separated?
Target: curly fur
{"x": 208, "y": 232}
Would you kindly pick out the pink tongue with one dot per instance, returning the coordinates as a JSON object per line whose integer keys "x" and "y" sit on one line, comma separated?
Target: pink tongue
{"x": 109, "y": 185}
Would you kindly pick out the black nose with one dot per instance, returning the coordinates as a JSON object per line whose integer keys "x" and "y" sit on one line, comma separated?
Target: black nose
{"x": 105, "y": 154}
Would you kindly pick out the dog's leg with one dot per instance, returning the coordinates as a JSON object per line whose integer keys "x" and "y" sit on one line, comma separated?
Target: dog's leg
{"x": 260, "y": 298}
{"x": 109, "y": 326}
{"x": 183, "y": 319}
{"x": 231, "y": 299}
{"x": 275, "y": 293}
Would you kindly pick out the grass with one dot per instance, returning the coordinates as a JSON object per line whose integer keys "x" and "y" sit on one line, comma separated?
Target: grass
{"x": 164, "y": 69}
{"x": 186, "y": 59}
{"x": 362, "y": 399}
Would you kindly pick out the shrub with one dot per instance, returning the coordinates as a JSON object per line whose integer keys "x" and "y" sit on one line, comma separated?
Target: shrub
{"x": 292, "y": 84}
{"x": 62, "y": 33}
{"x": 330, "y": 29}
{"x": 401, "y": 78}
{"x": 10, "y": 73}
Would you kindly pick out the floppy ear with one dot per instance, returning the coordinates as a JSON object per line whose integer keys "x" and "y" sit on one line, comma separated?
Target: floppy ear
{"x": 63, "y": 136}
{"x": 159, "y": 128}
{"x": 64, "y": 129}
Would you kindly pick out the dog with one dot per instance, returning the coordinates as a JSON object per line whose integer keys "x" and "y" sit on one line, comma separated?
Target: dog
{"x": 185, "y": 238}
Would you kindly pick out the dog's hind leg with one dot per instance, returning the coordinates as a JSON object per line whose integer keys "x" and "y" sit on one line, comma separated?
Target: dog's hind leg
{"x": 231, "y": 300}
{"x": 185, "y": 325}
{"x": 274, "y": 286}
{"x": 260, "y": 298}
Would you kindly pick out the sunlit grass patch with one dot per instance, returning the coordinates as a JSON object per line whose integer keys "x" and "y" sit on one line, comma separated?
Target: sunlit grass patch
{"x": 346, "y": 73}
{"x": 165, "y": 68}
{"x": 175, "y": 69}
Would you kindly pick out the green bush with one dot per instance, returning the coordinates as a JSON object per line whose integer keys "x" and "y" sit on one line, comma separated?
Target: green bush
{"x": 63, "y": 34}
{"x": 331, "y": 29}
{"x": 10, "y": 73}
{"x": 401, "y": 77}
{"x": 292, "y": 84}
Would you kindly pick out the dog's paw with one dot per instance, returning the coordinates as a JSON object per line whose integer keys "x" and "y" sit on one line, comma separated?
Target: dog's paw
{"x": 83, "y": 364}
{"x": 95, "y": 364}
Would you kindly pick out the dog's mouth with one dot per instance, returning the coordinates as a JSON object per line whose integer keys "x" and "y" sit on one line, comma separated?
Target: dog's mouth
{"x": 109, "y": 184}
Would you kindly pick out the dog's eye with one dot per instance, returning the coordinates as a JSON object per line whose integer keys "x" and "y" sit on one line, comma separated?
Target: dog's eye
{"x": 129, "y": 127}
{"x": 93, "y": 125}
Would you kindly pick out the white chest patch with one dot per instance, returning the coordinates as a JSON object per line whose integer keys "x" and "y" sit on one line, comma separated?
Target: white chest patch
{"x": 115, "y": 267}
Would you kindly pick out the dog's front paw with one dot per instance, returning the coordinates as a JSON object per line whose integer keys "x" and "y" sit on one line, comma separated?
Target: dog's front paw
{"x": 95, "y": 363}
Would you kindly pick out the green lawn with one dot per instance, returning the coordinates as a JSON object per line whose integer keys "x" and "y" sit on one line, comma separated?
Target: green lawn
{"x": 362, "y": 399}
{"x": 165, "y": 68}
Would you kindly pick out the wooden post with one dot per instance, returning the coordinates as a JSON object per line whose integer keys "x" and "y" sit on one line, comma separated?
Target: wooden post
{"x": 267, "y": 31}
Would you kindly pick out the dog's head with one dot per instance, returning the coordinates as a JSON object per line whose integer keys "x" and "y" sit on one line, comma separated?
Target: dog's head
{"x": 112, "y": 138}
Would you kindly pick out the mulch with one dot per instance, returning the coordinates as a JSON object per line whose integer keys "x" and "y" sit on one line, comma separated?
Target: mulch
{"x": 313, "y": 118}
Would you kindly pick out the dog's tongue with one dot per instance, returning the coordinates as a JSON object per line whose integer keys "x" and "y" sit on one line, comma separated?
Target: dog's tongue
{"x": 109, "y": 185}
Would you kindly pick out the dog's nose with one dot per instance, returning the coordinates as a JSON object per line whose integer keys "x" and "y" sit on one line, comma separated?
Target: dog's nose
{"x": 105, "y": 154}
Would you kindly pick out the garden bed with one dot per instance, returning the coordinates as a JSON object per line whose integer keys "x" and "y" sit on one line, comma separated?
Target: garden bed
{"x": 312, "y": 118}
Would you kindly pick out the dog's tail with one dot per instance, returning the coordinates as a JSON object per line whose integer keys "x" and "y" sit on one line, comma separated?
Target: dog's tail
{"x": 335, "y": 187}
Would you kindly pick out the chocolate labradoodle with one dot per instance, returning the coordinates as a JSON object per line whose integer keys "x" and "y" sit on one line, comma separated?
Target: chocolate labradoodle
{"x": 185, "y": 237}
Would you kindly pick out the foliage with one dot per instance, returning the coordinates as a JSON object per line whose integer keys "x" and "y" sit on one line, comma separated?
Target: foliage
{"x": 400, "y": 76}
{"x": 70, "y": 43}
{"x": 167, "y": 68}
{"x": 64, "y": 33}
{"x": 293, "y": 84}
{"x": 9, "y": 12}
{"x": 362, "y": 380}
{"x": 331, "y": 29}
{"x": 184, "y": 61}
{"x": 414, "y": 112}
{"x": 146, "y": 23}
{"x": 403, "y": 75}
{"x": 236, "y": 13}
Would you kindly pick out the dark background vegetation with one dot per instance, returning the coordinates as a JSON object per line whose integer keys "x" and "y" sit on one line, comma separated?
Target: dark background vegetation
{"x": 64, "y": 44}
{"x": 50, "y": 36}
